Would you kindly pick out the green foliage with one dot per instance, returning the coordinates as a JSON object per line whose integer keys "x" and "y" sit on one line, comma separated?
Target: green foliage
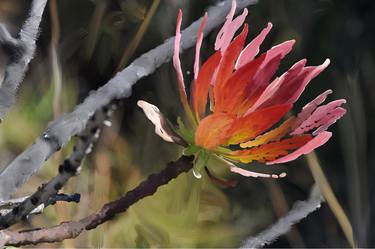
{"x": 185, "y": 213}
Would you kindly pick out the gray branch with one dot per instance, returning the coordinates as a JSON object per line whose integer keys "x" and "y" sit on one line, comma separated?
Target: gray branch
{"x": 60, "y": 131}
{"x": 300, "y": 210}
{"x": 70, "y": 167}
{"x": 20, "y": 51}
{"x": 8, "y": 206}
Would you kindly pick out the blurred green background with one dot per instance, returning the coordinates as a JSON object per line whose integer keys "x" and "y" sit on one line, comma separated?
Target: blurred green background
{"x": 84, "y": 43}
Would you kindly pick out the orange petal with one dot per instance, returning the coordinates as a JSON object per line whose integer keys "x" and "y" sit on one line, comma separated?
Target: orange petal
{"x": 201, "y": 85}
{"x": 227, "y": 63}
{"x": 235, "y": 90}
{"x": 271, "y": 136}
{"x": 252, "y": 125}
{"x": 212, "y": 130}
{"x": 271, "y": 151}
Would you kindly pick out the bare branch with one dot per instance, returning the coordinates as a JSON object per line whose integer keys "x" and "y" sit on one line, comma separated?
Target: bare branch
{"x": 300, "y": 210}
{"x": 70, "y": 167}
{"x": 71, "y": 229}
{"x": 20, "y": 52}
{"x": 61, "y": 130}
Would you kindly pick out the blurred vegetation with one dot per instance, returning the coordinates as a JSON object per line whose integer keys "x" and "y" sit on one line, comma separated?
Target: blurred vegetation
{"x": 82, "y": 45}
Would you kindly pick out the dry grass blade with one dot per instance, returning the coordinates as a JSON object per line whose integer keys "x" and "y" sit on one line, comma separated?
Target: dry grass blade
{"x": 330, "y": 197}
{"x": 130, "y": 49}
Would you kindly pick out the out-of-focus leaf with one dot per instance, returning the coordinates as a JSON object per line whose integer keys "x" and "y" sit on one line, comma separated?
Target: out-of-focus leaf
{"x": 135, "y": 10}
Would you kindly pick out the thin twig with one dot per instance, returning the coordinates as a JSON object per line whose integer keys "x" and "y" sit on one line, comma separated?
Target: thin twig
{"x": 61, "y": 130}
{"x": 21, "y": 51}
{"x": 300, "y": 210}
{"x": 71, "y": 229}
{"x": 70, "y": 167}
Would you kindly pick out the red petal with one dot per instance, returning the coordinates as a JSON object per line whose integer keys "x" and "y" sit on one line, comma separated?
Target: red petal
{"x": 261, "y": 80}
{"x": 226, "y": 66}
{"x": 212, "y": 130}
{"x": 293, "y": 86}
{"x": 252, "y": 125}
{"x": 271, "y": 151}
{"x": 259, "y": 83}
{"x": 275, "y": 85}
{"x": 314, "y": 71}
{"x": 201, "y": 85}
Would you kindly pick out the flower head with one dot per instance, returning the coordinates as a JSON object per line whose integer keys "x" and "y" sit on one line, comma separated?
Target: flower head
{"x": 236, "y": 102}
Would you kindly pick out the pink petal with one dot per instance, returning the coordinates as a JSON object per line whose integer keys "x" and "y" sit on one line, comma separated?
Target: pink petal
{"x": 229, "y": 28}
{"x": 308, "y": 109}
{"x": 316, "y": 142}
{"x": 249, "y": 173}
{"x": 162, "y": 127}
{"x": 281, "y": 49}
{"x": 315, "y": 71}
{"x": 252, "y": 49}
{"x": 330, "y": 119}
{"x": 223, "y": 30}
{"x": 198, "y": 47}
{"x": 321, "y": 117}
{"x": 275, "y": 85}
{"x": 176, "y": 56}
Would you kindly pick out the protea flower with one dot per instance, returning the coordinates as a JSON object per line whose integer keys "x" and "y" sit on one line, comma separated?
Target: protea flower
{"x": 235, "y": 100}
